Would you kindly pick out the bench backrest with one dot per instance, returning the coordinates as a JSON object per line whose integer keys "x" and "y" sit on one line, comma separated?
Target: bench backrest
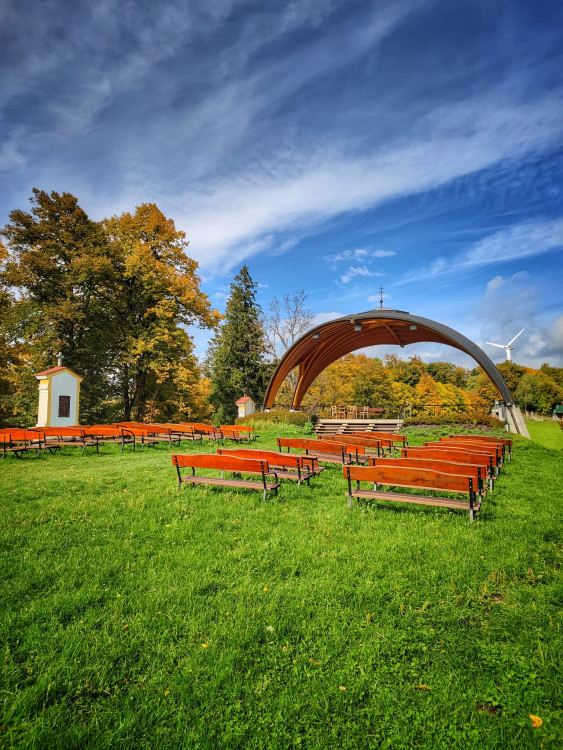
{"x": 353, "y": 440}
{"x": 435, "y": 464}
{"x": 237, "y": 427}
{"x": 229, "y": 431}
{"x": 21, "y": 436}
{"x": 273, "y": 458}
{"x": 475, "y": 444}
{"x": 410, "y": 477}
{"x": 105, "y": 431}
{"x": 61, "y": 431}
{"x": 200, "y": 427}
{"x": 223, "y": 463}
{"x": 447, "y": 454}
{"x": 484, "y": 439}
{"x": 146, "y": 427}
{"x": 319, "y": 446}
{"x": 402, "y": 439}
{"x": 488, "y": 450}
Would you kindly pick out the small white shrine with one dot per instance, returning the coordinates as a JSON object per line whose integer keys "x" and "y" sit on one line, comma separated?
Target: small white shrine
{"x": 245, "y": 406}
{"x": 59, "y": 394}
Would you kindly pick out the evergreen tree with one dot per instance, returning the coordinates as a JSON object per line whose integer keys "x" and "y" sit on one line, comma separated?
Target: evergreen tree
{"x": 237, "y": 352}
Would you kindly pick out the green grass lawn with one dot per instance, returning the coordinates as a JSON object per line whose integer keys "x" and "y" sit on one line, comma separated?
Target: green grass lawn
{"x": 133, "y": 615}
{"x": 548, "y": 434}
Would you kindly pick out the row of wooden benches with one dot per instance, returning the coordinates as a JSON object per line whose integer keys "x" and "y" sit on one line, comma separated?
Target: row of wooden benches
{"x": 466, "y": 465}
{"x": 18, "y": 442}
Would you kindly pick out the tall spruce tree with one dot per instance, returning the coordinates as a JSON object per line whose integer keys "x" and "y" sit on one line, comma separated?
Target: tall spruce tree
{"x": 237, "y": 352}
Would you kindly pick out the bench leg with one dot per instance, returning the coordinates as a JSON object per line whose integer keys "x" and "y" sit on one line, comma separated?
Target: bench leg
{"x": 471, "y": 514}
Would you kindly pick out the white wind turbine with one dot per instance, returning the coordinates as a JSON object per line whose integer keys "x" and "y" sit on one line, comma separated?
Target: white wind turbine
{"x": 508, "y": 346}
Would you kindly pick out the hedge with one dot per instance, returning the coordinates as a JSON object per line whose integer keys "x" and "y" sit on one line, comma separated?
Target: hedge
{"x": 279, "y": 416}
{"x": 463, "y": 418}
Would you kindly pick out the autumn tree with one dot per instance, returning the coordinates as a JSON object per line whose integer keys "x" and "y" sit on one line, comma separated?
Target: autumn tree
{"x": 538, "y": 392}
{"x": 154, "y": 295}
{"x": 237, "y": 353}
{"x": 408, "y": 372}
{"x": 58, "y": 262}
{"x": 114, "y": 298}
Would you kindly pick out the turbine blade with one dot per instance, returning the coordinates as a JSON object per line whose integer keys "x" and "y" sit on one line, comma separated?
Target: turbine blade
{"x": 514, "y": 339}
{"x": 499, "y": 345}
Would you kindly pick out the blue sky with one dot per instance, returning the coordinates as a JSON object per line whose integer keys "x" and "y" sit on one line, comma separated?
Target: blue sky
{"x": 333, "y": 146}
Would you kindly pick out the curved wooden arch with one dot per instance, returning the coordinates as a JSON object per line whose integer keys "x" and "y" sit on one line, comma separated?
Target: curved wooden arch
{"x": 326, "y": 343}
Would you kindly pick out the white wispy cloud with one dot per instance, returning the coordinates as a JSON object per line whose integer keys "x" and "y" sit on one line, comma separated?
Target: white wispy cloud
{"x": 521, "y": 241}
{"x": 276, "y": 196}
{"x": 357, "y": 271}
{"x": 358, "y": 254}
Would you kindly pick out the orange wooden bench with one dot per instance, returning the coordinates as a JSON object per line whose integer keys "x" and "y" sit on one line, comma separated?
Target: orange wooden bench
{"x": 325, "y": 451}
{"x": 293, "y": 466}
{"x": 507, "y": 442}
{"x": 453, "y": 454}
{"x": 412, "y": 478}
{"x": 400, "y": 440}
{"x": 369, "y": 444}
{"x": 205, "y": 430}
{"x": 242, "y": 429}
{"x": 55, "y": 438}
{"x": 232, "y": 433}
{"x": 151, "y": 433}
{"x": 18, "y": 442}
{"x": 478, "y": 472}
{"x": 224, "y": 464}
{"x": 477, "y": 444}
{"x": 182, "y": 432}
{"x": 462, "y": 445}
{"x": 107, "y": 434}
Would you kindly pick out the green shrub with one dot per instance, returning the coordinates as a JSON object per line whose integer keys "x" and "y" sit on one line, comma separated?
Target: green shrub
{"x": 463, "y": 419}
{"x": 279, "y": 416}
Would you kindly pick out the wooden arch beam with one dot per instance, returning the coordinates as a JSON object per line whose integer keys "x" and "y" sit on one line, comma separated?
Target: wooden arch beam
{"x": 326, "y": 343}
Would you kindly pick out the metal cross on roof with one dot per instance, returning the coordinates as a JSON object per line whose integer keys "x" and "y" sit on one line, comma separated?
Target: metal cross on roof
{"x": 381, "y": 297}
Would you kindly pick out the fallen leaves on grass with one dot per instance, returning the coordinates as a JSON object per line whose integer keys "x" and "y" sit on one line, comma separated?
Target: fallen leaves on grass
{"x": 421, "y": 687}
{"x": 536, "y": 721}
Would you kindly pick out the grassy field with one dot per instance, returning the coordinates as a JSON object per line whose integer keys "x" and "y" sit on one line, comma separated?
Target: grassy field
{"x": 548, "y": 434}
{"x": 136, "y": 616}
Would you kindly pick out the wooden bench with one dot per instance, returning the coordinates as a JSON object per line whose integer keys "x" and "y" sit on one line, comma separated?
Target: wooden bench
{"x": 236, "y": 466}
{"x": 18, "y": 442}
{"x": 55, "y": 438}
{"x": 183, "y": 432}
{"x": 393, "y": 437}
{"x": 231, "y": 433}
{"x": 151, "y": 433}
{"x": 292, "y": 466}
{"x": 486, "y": 439}
{"x": 242, "y": 429}
{"x": 107, "y": 434}
{"x": 479, "y": 473}
{"x": 480, "y": 445}
{"x": 325, "y": 451}
{"x": 445, "y": 454}
{"x": 462, "y": 445}
{"x": 369, "y": 444}
{"x": 412, "y": 478}
{"x": 205, "y": 430}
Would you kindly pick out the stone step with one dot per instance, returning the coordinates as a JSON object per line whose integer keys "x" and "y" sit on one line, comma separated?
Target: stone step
{"x": 344, "y": 426}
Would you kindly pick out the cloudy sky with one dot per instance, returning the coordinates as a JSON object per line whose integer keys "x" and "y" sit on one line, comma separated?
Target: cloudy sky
{"x": 334, "y": 146}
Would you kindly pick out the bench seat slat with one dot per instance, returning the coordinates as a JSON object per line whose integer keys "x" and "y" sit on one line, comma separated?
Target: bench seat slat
{"x": 248, "y": 483}
{"x": 444, "y": 502}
